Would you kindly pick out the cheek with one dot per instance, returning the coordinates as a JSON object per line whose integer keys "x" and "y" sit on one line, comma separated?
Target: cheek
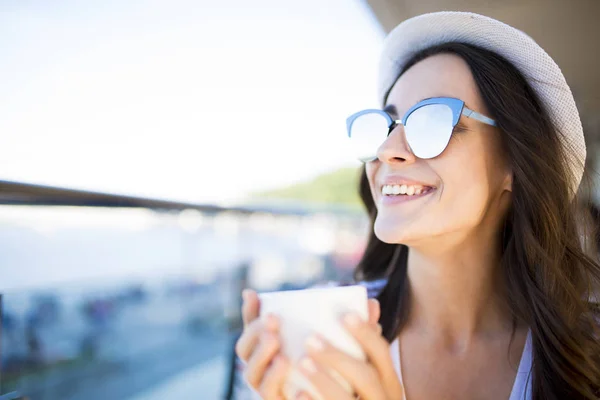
{"x": 464, "y": 198}
{"x": 466, "y": 190}
{"x": 371, "y": 170}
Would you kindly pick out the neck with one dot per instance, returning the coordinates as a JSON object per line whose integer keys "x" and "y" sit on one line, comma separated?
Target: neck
{"x": 456, "y": 289}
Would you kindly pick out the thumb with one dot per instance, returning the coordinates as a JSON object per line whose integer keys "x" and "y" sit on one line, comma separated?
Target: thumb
{"x": 250, "y": 307}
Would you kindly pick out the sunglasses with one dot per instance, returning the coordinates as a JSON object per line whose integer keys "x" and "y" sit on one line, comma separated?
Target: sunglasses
{"x": 428, "y": 126}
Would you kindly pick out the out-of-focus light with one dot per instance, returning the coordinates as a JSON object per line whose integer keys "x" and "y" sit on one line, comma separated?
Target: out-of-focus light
{"x": 307, "y": 269}
{"x": 191, "y": 220}
{"x": 267, "y": 271}
{"x": 261, "y": 222}
{"x": 226, "y": 225}
{"x": 317, "y": 238}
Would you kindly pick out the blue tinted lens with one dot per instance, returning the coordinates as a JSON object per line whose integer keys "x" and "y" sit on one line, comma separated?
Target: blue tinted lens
{"x": 428, "y": 130}
{"x": 367, "y": 133}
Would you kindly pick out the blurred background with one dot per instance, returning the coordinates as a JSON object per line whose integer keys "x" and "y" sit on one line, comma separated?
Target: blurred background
{"x": 158, "y": 157}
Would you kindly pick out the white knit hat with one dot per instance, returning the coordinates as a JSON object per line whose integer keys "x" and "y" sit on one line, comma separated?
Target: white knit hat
{"x": 538, "y": 68}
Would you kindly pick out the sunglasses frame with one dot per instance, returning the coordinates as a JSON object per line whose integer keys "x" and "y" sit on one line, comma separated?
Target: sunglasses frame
{"x": 456, "y": 105}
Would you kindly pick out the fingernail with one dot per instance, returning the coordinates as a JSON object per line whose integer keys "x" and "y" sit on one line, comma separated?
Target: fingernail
{"x": 374, "y": 301}
{"x": 352, "y": 319}
{"x": 302, "y": 396}
{"x": 314, "y": 343}
{"x": 308, "y": 365}
{"x": 272, "y": 322}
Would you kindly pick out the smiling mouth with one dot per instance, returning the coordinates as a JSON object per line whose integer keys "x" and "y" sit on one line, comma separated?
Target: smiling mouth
{"x": 405, "y": 190}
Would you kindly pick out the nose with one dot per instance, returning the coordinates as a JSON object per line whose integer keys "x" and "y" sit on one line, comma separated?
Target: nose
{"x": 395, "y": 149}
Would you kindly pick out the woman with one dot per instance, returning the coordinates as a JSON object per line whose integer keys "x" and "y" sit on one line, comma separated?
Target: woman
{"x": 470, "y": 177}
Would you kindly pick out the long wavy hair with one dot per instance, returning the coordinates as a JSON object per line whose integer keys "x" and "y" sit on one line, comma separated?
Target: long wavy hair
{"x": 552, "y": 280}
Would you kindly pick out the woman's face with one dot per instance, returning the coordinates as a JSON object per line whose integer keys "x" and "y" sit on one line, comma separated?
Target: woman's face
{"x": 467, "y": 186}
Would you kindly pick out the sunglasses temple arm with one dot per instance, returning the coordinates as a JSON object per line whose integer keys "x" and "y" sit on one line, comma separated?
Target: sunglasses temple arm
{"x": 475, "y": 115}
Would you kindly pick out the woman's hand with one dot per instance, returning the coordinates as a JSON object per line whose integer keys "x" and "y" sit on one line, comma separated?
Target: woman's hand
{"x": 375, "y": 379}
{"x": 259, "y": 345}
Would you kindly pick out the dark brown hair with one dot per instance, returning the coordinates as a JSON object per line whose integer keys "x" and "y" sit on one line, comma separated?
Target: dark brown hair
{"x": 552, "y": 281}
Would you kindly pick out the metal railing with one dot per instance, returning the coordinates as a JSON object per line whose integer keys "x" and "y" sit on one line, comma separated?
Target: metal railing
{"x": 34, "y": 197}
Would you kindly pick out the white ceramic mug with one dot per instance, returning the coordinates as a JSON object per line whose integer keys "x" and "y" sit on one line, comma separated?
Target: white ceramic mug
{"x": 315, "y": 310}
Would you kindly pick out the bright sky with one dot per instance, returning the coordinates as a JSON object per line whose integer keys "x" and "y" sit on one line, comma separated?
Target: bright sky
{"x": 192, "y": 100}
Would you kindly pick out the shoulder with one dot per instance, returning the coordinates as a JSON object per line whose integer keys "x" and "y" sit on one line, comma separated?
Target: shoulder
{"x": 373, "y": 287}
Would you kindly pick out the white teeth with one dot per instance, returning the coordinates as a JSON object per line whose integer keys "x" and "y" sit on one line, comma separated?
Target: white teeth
{"x": 395, "y": 190}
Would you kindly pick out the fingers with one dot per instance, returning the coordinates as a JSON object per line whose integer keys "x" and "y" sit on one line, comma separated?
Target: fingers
{"x": 362, "y": 376}
{"x": 252, "y": 326}
{"x": 245, "y": 345}
{"x": 250, "y": 307}
{"x": 274, "y": 378}
{"x": 260, "y": 359}
{"x": 376, "y": 349}
{"x": 374, "y": 311}
{"x": 322, "y": 381}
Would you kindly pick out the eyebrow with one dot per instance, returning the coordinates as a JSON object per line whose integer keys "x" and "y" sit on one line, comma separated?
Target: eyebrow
{"x": 391, "y": 109}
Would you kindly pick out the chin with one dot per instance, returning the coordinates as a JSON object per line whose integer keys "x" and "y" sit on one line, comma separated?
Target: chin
{"x": 389, "y": 232}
